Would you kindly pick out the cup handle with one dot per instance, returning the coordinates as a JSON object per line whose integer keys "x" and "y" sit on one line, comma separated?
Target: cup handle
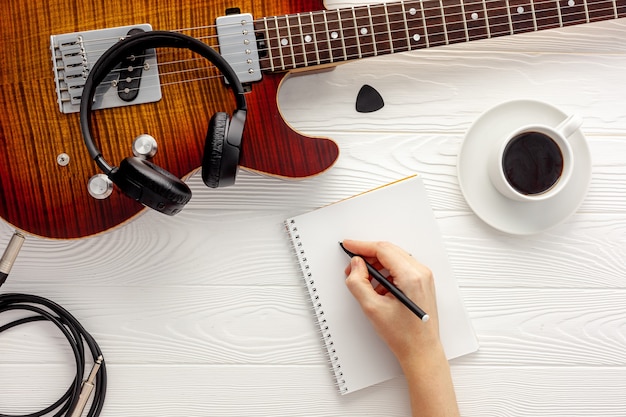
{"x": 570, "y": 125}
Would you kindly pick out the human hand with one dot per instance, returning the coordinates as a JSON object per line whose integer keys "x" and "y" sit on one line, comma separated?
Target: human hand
{"x": 415, "y": 343}
{"x": 407, "y": 336}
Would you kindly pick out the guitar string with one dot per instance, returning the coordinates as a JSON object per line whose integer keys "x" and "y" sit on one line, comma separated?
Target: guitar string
{"x": 534, "y": 5}
{"x": 392, "y": 32}
{"x": 357, "y": 44}
{"x": 465, "y": 27}
{"x": 438, "y": 8}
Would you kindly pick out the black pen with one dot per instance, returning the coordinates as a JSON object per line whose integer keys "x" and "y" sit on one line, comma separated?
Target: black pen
{"x": 391, "y": 288}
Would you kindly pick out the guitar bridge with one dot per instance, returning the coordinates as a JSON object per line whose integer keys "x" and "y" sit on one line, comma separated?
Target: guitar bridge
{"x": 73, "y": 56}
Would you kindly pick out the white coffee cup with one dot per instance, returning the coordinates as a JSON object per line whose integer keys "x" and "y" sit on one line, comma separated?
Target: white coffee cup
{"x": 534, "y": 162}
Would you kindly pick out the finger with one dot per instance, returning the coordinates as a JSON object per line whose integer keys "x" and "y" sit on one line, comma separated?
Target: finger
{"x": 358, "y": 281}
{"x": 398, "y": 262}
{"x": 385, "y": 253}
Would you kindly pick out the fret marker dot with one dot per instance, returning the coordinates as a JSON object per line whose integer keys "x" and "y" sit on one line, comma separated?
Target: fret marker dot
{"x": 284, "y": 42}
{"x": 571, "y": 3}
{"x": 412, "y": 11}
{"x": 308, "y": 38}
{"x": 363, "y": 31}
{"x": 474, "y": 16}
{"x": 416, "y": 37}
{"x": 334, "y": 35}
{"x": 520, "y": 9}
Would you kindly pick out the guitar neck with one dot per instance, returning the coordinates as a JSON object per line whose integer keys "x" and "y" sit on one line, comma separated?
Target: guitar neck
{"x": 334, "y": 36}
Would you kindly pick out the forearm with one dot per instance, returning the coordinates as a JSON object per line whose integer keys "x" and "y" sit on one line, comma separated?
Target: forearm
{"x": 430, "y": 385}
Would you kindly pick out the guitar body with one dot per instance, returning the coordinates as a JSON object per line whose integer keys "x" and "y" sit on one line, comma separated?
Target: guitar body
{"x": 45, "y": 198}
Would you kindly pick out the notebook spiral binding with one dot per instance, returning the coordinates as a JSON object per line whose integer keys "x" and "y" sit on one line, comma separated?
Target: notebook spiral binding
{"x": 309, "y": 280}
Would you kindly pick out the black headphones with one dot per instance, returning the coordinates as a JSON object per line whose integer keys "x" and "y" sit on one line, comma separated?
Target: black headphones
{"x": 142, "y": 180}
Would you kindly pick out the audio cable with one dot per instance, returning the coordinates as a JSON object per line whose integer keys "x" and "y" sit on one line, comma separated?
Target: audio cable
{"x": 75, "y": 399}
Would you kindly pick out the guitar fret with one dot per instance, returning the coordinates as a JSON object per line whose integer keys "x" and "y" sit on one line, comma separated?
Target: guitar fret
{"x": 300, "y": 29}
{"x": 414, "y": 23}
{"x": 265, "y": 54}
{"x": 342, "y": 36}
{"x": 620, "y": 8}
{"x": 335, "y": 41}
{"x": 546, "y": 14}
{"x": 573, "y": 12}
{"x": 498, "y": 17}
{"x": 425, "y": 24}
{"x": 307, "y": 37}
{"x": 350, "y": 42}
{"x": 558, "y": 9}
{"x": 475, "y": 13}
{"x": 443, "y": 21}
{"x": 388, "y": 26}
{"x": 522, "y": 17}
{"x": 273, "y": 52}
{"x": 463, "y": 13}
{"x": 454, "y": 23}
{"x": 487, "y": 22}
{"x": 369, "y": 12}
{"x": 397, "y": 27}
{"x": 327, "y": 33}
{"x": 406, "y": 26}
{"x": 289, "y": 43}
{"x": 364, "y": 31}
{"x": 303, "y": 43}
{"x": 379, "y": 29}
{"x": 600, "y": 9}
{"x": 510, "y": 17}
{"x": 314, "y": 38}
{"x": 320, "y": 34}
{"x": 356, "y": 33}
{"x": 433, "y": 17}
{"x": 279, "y": 43}
{"x": 534, "y": 14}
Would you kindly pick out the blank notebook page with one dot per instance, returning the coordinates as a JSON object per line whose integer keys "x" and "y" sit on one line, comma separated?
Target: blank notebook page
{"x": 400, "y": 213}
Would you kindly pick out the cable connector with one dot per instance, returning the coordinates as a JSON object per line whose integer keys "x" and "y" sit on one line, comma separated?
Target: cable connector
{"x": 87, "y": 389}
{"x": 10, "y": 254}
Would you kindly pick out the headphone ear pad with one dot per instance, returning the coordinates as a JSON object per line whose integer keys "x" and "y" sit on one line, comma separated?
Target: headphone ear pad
{"x": 214, "y": 146}
{"x": 151, "y": 185}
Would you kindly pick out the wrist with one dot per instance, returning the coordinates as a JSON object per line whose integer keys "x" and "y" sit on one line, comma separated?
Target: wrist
{"x": 424, "y": 358}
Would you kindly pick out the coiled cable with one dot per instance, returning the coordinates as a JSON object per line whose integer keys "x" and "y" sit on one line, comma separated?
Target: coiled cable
{"x": 74, "y": 401}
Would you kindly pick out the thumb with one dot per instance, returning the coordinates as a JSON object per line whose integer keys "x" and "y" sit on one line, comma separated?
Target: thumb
{"x": 358, "y": 281}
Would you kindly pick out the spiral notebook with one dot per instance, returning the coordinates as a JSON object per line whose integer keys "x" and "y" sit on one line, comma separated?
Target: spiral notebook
{"x": 399, "y": 212}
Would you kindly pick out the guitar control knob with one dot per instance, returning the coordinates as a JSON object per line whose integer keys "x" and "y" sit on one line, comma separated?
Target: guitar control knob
{"x": 100, "y": 186}
{"x": 144, "y": 146}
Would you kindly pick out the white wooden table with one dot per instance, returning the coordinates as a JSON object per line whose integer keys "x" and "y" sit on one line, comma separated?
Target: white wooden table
{"x": 205, "y": 313}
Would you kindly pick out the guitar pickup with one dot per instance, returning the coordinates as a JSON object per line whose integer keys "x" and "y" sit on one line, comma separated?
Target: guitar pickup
{"x": 130, "y": 71}
{"x": 73, "y": 56}
{"x": 238, "y": 45}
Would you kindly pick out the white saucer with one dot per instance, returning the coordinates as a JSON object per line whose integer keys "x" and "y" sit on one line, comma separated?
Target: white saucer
{"x": 502, "y": 213}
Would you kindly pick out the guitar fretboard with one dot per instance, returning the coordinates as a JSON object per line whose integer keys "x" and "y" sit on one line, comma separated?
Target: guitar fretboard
{"x": 333, "y": 36}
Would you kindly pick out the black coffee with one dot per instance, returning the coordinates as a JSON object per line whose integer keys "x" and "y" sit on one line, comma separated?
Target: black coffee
{"x": 532, "y": 163}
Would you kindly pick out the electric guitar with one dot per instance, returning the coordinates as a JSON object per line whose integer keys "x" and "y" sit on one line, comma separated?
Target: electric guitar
{"x": 48, "y": 48}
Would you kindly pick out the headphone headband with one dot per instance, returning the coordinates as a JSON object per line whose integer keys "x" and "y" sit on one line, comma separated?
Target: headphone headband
{"x": 140, "y": 41}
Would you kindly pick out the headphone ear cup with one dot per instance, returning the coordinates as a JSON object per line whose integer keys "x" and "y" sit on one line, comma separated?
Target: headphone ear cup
{"x": 214, "y": 148}
{"x": 151, "y": 185}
